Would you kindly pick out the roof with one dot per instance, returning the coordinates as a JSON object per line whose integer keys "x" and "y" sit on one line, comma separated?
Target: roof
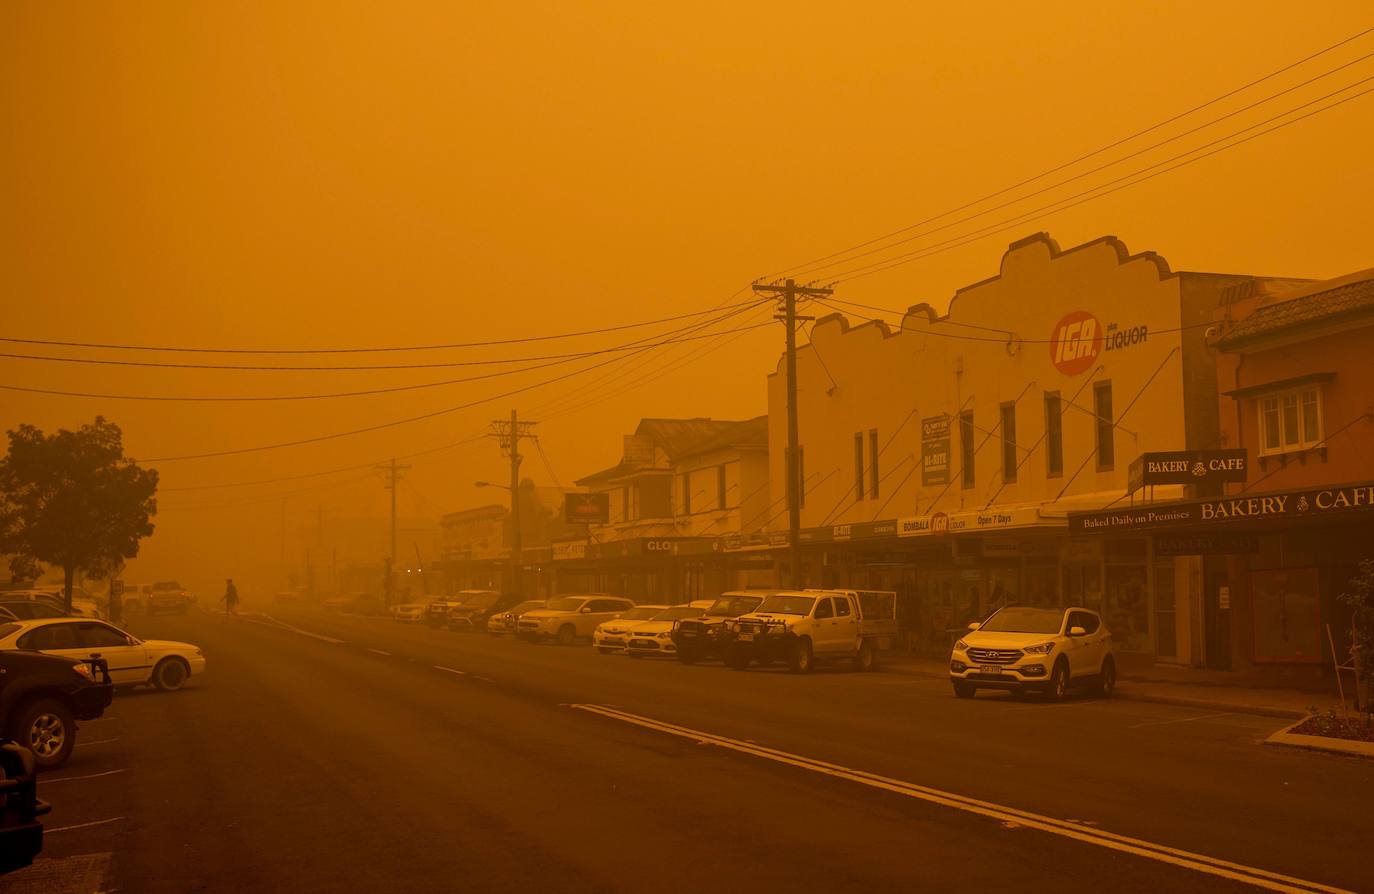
{"x": 1327, "y": 301}
{"x": 750, "y": 434}
{"x": 491, "y": 510}
{"x": 680, "y": 438}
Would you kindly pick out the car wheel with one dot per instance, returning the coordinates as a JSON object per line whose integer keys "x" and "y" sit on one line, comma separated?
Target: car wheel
{"x": 566, "y": 634}
{"x": 799, "y": 657}
{"x": 964, "y": 690}
{"x": 47, "y": 728}
{"x": 170, "y": 674}
{"x": 863, "y": 661}
{"x": 1059, "y": 683}
{"x": 687, "y": 656}
{"x": 1106, "y": 681}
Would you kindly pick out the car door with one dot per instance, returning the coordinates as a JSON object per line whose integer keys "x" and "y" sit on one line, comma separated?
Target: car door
{"x": 823, "y": 626}
{"x": 846, "y": 624}
{"x": 1097, "y": 642}
{"x": 125, "y": 655}
{"x": 1079, "y": 649}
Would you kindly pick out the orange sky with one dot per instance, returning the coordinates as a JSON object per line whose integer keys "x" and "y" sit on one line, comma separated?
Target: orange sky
{"x": 347, "y": 174}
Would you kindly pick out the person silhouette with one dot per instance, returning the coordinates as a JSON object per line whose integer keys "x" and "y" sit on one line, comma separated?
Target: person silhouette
{"x": 231, "y": 596}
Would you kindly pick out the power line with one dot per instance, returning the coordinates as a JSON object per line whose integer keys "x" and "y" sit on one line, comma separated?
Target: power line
{"x": 1102, "y": 190}
{"x": 1068, "y": 164}
{"x": 362, "y": 393}
{"x": 367, "y": 350}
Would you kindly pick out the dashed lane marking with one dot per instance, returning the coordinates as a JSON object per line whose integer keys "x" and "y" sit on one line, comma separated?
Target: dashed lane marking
{"x": 285, "y": 626}
{"x": 96, "y": 742}
{"x": 449, "y": 670}
{"x": 1183, "y": 719}
{"x": 379, "y": 652}
{"x": 483, "y": 679}
{"x": 1260, "y": 878}
{"x": 50, "y": 781}
{"x": 104, "y": 822}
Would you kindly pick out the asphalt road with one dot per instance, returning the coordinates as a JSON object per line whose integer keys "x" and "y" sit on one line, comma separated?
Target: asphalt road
{"x": 372, "y": 756}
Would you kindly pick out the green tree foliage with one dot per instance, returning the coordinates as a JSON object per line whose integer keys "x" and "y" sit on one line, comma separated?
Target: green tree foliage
{"x": 73, "y": 500}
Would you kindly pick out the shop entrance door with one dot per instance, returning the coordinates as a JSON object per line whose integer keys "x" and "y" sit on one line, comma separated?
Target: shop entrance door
{"x": 1218, "y": 621}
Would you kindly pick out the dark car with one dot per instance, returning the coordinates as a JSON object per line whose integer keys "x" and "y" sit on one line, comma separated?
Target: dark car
{"x": 710, "y": 635}
{"x": 474, "y": 611}
{"x": 21, "y": 834}
{"x": 42, "y": 697}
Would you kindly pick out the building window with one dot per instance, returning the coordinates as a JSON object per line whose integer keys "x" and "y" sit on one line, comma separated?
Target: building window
{"x": 858, "y": 466}
{"x": 625, "y": 503}
{"x": 1009, "y": 442}
{"x": 873, "y": 463}
{"x": 1106, "y": 427}
{"x": 1290, "y": 421}
{"x": 720, "y": 487}
{"x": 686, "y": 493}
{"x": 966, "y": 448}
{"x": 1054, "y": 435}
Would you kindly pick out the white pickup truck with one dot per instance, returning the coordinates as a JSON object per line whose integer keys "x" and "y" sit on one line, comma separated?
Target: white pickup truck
{"x": 802, "y": 627}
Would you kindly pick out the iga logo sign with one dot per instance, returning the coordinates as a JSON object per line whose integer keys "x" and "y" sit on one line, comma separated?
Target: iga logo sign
{"x": 1076, "y": 342}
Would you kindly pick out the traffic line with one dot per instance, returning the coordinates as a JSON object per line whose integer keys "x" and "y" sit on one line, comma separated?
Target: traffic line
{"x": 104, "y": 822}
{"x": 1251, "y": 875}
{"x": 379, "y": 652}
{"x": 285, "y": 626}
{"x": 96, "y": 742}
{"x": 1183, "y": 719}
{"x": 75, "y": 778}
{"x": 483, "y": 679}
{"x": 449, "y": 670}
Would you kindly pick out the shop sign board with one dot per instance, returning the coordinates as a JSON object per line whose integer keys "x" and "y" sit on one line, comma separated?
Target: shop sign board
{"x": 586, "y": 509}
{"x": 1287, "y": 505}
{"x": 934, "y": 451}
{"x": 1078, "y": 339}
{"x": 569, "y": 551}
{"x": 1208, "y": 543}
{"x": 1189, "y": 467}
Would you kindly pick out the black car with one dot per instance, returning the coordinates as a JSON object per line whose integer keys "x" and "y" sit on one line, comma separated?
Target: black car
{"x": 21, "y": 834}
{"x": 43, "y": 696}
{"x": 710, "y": 635}
{"x": 474, "y": 611}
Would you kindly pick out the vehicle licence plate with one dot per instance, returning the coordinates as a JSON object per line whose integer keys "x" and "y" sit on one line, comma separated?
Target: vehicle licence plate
{"x": 746, "y": 637}
{"x": 989, "y": 669}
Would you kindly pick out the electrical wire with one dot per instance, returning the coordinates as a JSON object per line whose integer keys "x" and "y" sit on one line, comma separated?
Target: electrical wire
{"x": 368, "y": 350}
{"x": 1068, "y": 164}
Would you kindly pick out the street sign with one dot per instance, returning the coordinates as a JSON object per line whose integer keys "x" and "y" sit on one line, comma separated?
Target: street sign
{"x": 586, "y": 509}
{"x": 1189, "y": 467}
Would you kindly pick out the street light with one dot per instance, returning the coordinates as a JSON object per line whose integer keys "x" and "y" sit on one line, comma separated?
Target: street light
{"x": 515, "y": 531}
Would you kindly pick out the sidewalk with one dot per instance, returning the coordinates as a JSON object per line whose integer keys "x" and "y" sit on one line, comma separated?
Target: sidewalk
{"x": 1207, "y": 690}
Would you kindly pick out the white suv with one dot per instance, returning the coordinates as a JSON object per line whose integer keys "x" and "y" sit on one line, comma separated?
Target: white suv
{"x": 1021, "y": 648}
{"x": 568, "y": 618}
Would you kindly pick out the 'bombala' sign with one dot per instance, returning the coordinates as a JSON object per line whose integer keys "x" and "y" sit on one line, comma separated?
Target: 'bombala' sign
{"x": 1290, "y": 505}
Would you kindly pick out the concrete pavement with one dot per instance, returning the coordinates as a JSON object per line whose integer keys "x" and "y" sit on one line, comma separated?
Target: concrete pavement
{"x": 372, "y": 756}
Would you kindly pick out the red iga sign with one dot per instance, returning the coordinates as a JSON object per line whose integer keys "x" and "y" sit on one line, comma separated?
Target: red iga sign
{"x": 1076, "y": 343}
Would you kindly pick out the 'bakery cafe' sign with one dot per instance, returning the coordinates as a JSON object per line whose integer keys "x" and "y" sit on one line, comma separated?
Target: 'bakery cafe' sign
{"x": 1189, "y": 467}
{"x": 1289, "y": 505}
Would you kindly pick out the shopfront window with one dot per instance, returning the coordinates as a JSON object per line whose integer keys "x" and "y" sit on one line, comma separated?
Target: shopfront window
{"x": 1042, "y": 585}
{"x": 1166, "y": 639}
{"x": 1128, "y": 607}
{"x": 1083, "y": 585}
{"x": 1003, "y": 587}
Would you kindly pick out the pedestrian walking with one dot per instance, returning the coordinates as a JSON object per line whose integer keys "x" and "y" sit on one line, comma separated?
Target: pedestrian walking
{"x": 231, "y": 596}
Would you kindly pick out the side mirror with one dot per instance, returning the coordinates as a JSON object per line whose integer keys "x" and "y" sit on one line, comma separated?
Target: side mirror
{"x": 586, "y": 609}
{"x": 974, "y": 626}
{"x": 1077, "y": 631}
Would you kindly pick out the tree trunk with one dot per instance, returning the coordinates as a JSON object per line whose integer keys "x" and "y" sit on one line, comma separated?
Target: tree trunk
{"x": 68, "y": 576}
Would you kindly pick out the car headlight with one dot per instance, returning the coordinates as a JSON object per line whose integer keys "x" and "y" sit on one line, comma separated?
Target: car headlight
{"x": 961, "y": 646}
{"x": 667, "y": 634}
{"x": 1041, "y": 649}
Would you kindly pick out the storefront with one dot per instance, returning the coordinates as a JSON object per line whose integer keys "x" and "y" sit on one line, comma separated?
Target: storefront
{"x": 646, "y": 569}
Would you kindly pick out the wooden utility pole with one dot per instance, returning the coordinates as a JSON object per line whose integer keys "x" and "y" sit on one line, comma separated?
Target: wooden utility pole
{"x": 509, "y": 435}
{"x": 787, "y": 295}
{"x": 393, "y": 477}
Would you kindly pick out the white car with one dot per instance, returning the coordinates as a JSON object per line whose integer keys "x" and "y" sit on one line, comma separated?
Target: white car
{"x": 410, "y": 612}
{"x": 132, "y": 661}
{"x": 655, "y": 636}
{"x": 611, "y": 636}
{"x": 1025, "y": 649}
{"x": 568, "y": 618}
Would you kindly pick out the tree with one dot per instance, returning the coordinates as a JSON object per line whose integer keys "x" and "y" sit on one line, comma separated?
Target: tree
{"x": 1360, "y": 598}
{"x": 72, "y": 499}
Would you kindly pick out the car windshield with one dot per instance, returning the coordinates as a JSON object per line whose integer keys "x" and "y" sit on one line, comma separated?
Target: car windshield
{"x": 640, "y": 614}
{"x": 680, "y": 611}
{"x": 566, "y": 604}
{"x": 733, "y": 606}
{"x": 481, "y": 600}
{"x": 1024, "y": 620}
{"x": 786, "y": 605}
{"x": 528, "y": 606}
{"x": 8, "y": 630}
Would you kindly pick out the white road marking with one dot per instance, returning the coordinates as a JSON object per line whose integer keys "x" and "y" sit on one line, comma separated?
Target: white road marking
{"x": 103, "y": 822}
{"x": 1162, "y": 853}
{"x": 1183, "y": 719}
{"x": 440, "y": 667}
{"x": 483, "y": 679}
{"x": 379, "y": 652}
{"x": 96, "y": 742}
{"x": 285, "y": 626}
{"x": 50, "y": 781}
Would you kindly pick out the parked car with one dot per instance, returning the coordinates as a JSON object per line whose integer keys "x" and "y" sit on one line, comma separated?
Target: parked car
{"x": 569, "y": 618}
{"x": 437, "y": 615}
{"x": 709, "y": 635}
{"x": 803, "y": 626}
{"x": 475, "y": 611}
{"x": 611, "y": 636}
{"x": 1023, "y": 648}
{"x": 354, "y": 603}
{"x": 21, "y": 834}
{"x": 505, "y": 622}
{"x": 655, "y": 636}
{"x": 168, "y": 596}
{"x": 43, "y": 696}
{"x": 28, "y": 609}
{"x": 414, "y": 611}
{"x": 131, "y": 661}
